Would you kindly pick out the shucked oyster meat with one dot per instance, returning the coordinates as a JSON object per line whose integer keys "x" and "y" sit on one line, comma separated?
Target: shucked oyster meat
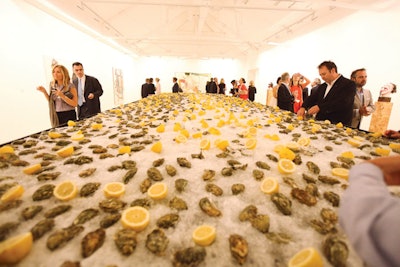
{"x": 168, "y": 220}
{"x": 125, "y": 240}
{"x": 239, "y": 248}
{"x": 61, "y": 237}
{"x": 209, "y": 208}
{"x": 189, "y": 257}
{"x": 157, "y": 242}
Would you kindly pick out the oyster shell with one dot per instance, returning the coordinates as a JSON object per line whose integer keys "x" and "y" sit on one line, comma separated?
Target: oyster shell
{"x": 290, "y": 181}
{"x": 70, "y": 264}
{"x": 111, "y": 205}
{"x": 85, "y": 216}
{"x": 129, "y": 175}
{"x": 237, "y": 188}
{"x": 258, "y": 174}
{"x": 312, "y": 167}
{"x": 261, "y": 223}
{"x": 30, "y": 212}
{"x": 329, "y": 215}
{"x": 183, "y": 162}
{"x": 249, "y": 213}
{"x": 171, "y": 170}
{"x": 54, "y": 212}
{"x": 15, "y": 203}
{"x": 239, "y": 248}
{"x": 87, "y": 172}
{"x": 303, "y": 197}
{"x": 227, "y": 171}
{"x": 283, "y": 203}
{"x": 214, "y": 189}
{"x": 189, "y": 257}
{"x": 328, "y": 180}
{"x": 157, "y": 242}
{"x": 335, "y": 250}
{"x": 92, "y": 242}
{"x": 263, "y": 165}
{"x": 209, "y": 208}
{"x": 154, "y": 174}
{"x": 309, "y": 179}
{"x": 88, "y": 189}
{"x": 272, "y": 157}
{"x": 312, "y": 189}
{"x": 158, "y": 162}
{"x": 332, "y": 197}
{"x": 125, "y": 240}
{"x": 7, "y": 228}
{"x": 48, "y": 176}
{"x": 323, "y": 227}
{"x": 208, "y": 175}
{"x": 168, "y": 220}
{"x": 59, "y": 238}
{"x": 142, "y": 202}
{"x": 43, "y": 192}
{"x": 279, "y": 238}
{"x": 129, "y": 164}
{"x": 180, "y": 184}
{"x": 178, "y": 204}
{"x": 42, "y": 227}
{"x": 109, "y": 220}
{"x": 145, "y": 185}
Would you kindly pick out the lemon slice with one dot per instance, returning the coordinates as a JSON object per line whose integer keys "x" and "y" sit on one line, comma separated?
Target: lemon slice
{"x": 269, "y": 185}
{"x": 185, "y": 133}
{"x": 294, "y": 146}
{"x": 177, "y": 127}
{"x": 382, "y": 151}
{"x": 278, "y": 148}
{"x": 348, "y": 154}
{"x": 197, "y": 135}
{"x": 156, "y": 147}
{"x": 33, "y": 169}
{"x": 205, "y": 144}
{"x": 97, "y": 126}
{"x": 204, "y": 235}
{"x": 136, "y": 218}
{"x": 391, "y": 145}
{"x": 341, "y": 172}
{"x": 54, "y": 135}
{"x": 65, "y": 191}
{"x": 114, "y": 189}
{"x": 15, "y": 248}
{"x": 354, "y": 142}
{"x": 308, "y": 257}
{"x": 124, "y": 150}
{"x": 339, "y": 125}
{"x": 286, "y": 166}
{"x": 181, "y": 139}
{"x": 71, "y": 123}
{"x": 6, "y": 149}
{"x": 303, "y": 141}
{"x": 253, "y": 131}
{"x": 14, "y": 192}
{"x": 214, "y": 131}
{"x": 286, "y": 153}
{"x": 65, "y": 151}
{"x": 158, "y": 191}
{"x": 222, "y": 144}
{"x": 251, "y": 143}
{"x": 160, "y": 128}
{"x": 77, "y": 137}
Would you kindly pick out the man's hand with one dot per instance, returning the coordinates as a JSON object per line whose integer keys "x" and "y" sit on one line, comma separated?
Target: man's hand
{"x": 91, "y": 96}
{"x": 390, "y": 167}
{"x": 301, "y": 112}
{"x": 313, "y": 110}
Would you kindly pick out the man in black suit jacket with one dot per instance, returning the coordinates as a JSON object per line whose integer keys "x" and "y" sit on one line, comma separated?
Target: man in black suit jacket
{"x": 334, "y": 99}
{"x": 175, "y": 87}
{"x": 285, "y": 98}
{"x": 89, "y": 102}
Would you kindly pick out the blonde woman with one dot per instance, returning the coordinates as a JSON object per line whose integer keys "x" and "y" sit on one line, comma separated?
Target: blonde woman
{"x": 242, "y": 89}
{"x": 62, "y": 97}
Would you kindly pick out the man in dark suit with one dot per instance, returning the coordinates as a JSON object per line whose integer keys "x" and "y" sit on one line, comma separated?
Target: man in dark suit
{"x": 89, "y": 92}
{"x": 145, "y": 91}
{"x": 285, "y": 98}
{"x": 314, "y": 86}
{"x": 334, "y": 99}
{"x": 175, "y": 87}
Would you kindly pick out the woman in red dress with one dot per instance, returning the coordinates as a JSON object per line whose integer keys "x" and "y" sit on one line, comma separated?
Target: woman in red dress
{"x": 297, "y": 84}
{"x": 242, "y": 89}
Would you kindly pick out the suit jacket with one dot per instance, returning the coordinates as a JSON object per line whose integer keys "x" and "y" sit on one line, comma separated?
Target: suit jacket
{"x": 368, "y": 102}
{"x": 337, "y": 106}
{"x": 313, "y": 90}
{"x": 175, "y": 88}
{"x": 92, "y": 106}
{"x": 285, "y": 98}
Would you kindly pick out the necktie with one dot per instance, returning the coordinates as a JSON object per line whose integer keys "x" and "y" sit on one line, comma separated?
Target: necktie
{"x": 80, "y": 92}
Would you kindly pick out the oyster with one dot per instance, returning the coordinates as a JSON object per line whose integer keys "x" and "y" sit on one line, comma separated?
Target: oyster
{"x": 54, "y": 212}
{"x": 48, "y": 176}
{"x": 258, "y": 174}
{"x": 312, "y": 167}
{"x": 129, "y": 164}
{"x": 303, "y": 197}
{"x": 261, "y": 223}
{"x": 42, "y": 227}
{"x": 125, "y": 240}
{"x": 332, "y": 197}
{"x": 263, "y": 165}
{"x": 346, "y": 160}
{"x": 87, "y": 172}
{"x": 178, "y": 204}
{"x": 61, "y": 237}
{"x": 158, "y": 162}
{"x": 290, "y": 181}
{"x": 114, "y": 168}
{"x": 214, "y": 189}
{"x": 142, "y": 202}
{"x": 129, "y": 175}
{"x": 309, "y": 179}
{"x": 279, "y": 238}
{"x": 7, "y": 228}
{"x": 79, "y": 160}
{"x": 109, "y": 220}
{"x": 283, "y": 203}
{"x": 15, "y": 203}
{"x": 88, "y": 189}
{"x": 157, "y": 242}
{"x": 189, "y": 257}
{"x": 4, "y": 188}
{"x": 209, "y": 208}
{"x": 180, "y": 184}
{"x": 100, "y": 150}
{"x": 31, "y": 211}
{"x": 227, "y": 171}
{"x": 237, "y": 188}
{"x": 328, "y": 180}
{"x": 329, "y": 215}
{"x": 145, "y": 185}
{"x": 239, "y": 248}
{"x": 171, "y": 170}
{"x": 335, "y": 164}
{"x": 312, "y": 189}
{"x": 86, "y": 215}
{"x": 208, "y": 175}
{"x": 272, "y": 157}
{"x": 249, "y": 213}
{"x": 168, "y": 220}
{"x": 70, "y": 264}
{"x": 154, "y": 174}
{"x": 44, "y": 192}
{"x": 111, "y": 205}
{"x": 183, "y": 162}
{"x": 335, "y": 250}
{"x": 323, "y": 227}
{"x": 92, "y": 241}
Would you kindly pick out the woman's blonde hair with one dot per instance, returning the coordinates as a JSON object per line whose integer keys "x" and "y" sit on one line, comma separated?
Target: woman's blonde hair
{"x": 65, "y": 74}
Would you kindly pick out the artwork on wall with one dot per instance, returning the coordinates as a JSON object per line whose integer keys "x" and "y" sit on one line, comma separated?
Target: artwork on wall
{"x": 118, "y": 84}
{"x": 191, "y": 82}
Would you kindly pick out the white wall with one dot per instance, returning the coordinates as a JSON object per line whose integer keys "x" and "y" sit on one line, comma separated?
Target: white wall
{"x": 365, "y": 39}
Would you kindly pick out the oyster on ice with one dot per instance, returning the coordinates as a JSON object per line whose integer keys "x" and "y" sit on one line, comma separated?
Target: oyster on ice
{"x": 209, "y": 208}
{"x": 189, "y": 257}
{"x": 239, "y": 248}
{"x": 125, "y": 240}
{"x": 157, "y": 242}
{"x": 92, "y": 242}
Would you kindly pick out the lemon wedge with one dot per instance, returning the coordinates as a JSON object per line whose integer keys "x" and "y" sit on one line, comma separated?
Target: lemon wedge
{"x": 65, "y": 151}
{"x": 156, "y": 147}
{"x": 33, "y": 169}
{"x": 251, "y": 143}
{"x": 124, "y": 150}
{"x": 14, "y": 192}
{"x": 341, "y": 172}
{"x": 205, "y": 144}
{"x": 286, "y": 166}
{"x": 66, "y": 190}
{"x": 382, "y": 151}
{"x": 204, "y": 235}
{"x": 15, "y": 248}
{"x": 308, "y": 257}
{"x": 160, "y": 128}
{"x": 6, "y": 149}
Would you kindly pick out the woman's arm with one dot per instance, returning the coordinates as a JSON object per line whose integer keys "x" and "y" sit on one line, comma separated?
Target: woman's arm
{"x": 73, "y": 102}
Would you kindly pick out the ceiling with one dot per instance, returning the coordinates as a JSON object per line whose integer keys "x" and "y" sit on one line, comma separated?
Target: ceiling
{"x": 202, "y": 28}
